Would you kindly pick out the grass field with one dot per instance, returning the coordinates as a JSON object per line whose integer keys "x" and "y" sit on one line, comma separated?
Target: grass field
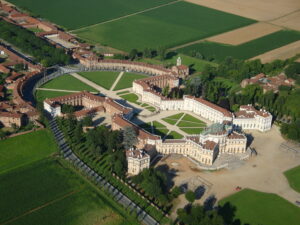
{"x": 192, "y": 130}
{"x": 131, "y": 98}
{"x": 167, "y": 26}
{"x": 47, "y": 193}
{"x": 174, "y": 135}
{"x": 25, "y": 149}
{"x": 67, "y": 82}
{"x": 41, "y": 95}
{"x": 218, "y": 52}
{"x": 62, "y": 12}
{"x": 103, "y": 79}
{"x": 293, "y": 176}
{"x": 195, "y": 65}
{"x": 127, "y": 79}
{"x": 255, "y": 208}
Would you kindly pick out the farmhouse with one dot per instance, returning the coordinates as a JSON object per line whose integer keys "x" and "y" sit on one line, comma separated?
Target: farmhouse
{"x": 269, "y": 83}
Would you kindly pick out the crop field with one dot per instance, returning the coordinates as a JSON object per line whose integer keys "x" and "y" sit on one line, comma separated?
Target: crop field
{"x": 218, "y": 52}
{"x": 91, "y": 12}
{"x": 47, "y": 193}
{"x": 293, "y": 176}
{"x": 25, "y": 149}
{"x": 252, "y": 207}
{"x": 166, "y": 26}
{"x": 103, "y": 79}
{"x": 67, "y": 82}
{"x": 127, "y": 79}
{"x": 41, "y": 95}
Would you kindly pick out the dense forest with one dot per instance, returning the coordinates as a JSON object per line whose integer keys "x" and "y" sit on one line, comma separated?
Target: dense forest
{"x": 221, "y": 85}
{"x": 27, "y": 42}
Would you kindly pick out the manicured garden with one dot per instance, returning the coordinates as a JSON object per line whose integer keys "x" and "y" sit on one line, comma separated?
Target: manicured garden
{"x": 41, "y": 95}
{"x": 186, "y": 123}
{"x": 253, "y": 207}
{"x": 183, "y": 22}
{"x": 293, "y": 176}
{"x": 67, "y": 82}
{"x": 25, "y": 149}
{"x": 127, "y": 79}
{"x": 104, "y": 79}
{"x": 46, "y": 192}
{"x": 62, "y": 12}
{"x": 218, "y": 52}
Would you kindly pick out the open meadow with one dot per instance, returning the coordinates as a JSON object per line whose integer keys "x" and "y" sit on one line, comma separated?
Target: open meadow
{"x": 25, "y": 149}
{"x": 91, "y": 12}
{"x": 50, "y": 194}
{"x": 253, "y": 207}
{"x": 218, "y": 52}
{"x": 167, "y": 26}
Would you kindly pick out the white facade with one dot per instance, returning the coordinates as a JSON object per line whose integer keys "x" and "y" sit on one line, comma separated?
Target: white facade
{"x": 246, "y": 118}
{"x": 53, "y": 110}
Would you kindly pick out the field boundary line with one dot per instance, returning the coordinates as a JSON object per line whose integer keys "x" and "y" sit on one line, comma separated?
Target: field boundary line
{"x": 61, "y": 90}
{"x": 41, "y": 206}
{"x": 122, "y": 17}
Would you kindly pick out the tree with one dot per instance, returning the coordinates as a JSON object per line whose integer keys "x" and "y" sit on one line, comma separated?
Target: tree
{"x": 87, "y": 121}
{"x": 78, "y": 132}
{"x": 147, "y": 53}
{"x": 129, "y": 137}
{"x": 162, "y": 52}
{"x": 165, "y": 91}
{"x": 176, "y": 191}
{"x": 133, "y": 53}
{"x": 190, "y": 196}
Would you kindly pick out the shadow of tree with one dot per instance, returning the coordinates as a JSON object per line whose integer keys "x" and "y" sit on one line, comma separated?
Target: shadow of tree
{"x": 228, "y": 212}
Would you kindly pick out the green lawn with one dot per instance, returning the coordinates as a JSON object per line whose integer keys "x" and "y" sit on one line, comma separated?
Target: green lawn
{"x": 257, "y": 208}
{"x": 190, "y": 118}
{"x": 131, "y": 98}
{"x": 195, "y": 65}
{"x": 127, "y": 79}
{"x": 67, "y": 82}
{"x": 167, "y": 26}
{"x": 192, "y": 130}
{"x": 293, "y": 176}
{"x": 189, "y": 124}
{"x": 123, "y": 92}
{"x": 151, "y": 108}
{"x": 41, "y": 95}
{"x": 176, "y": 116}
{"x": 63, "y": 12}
{"x": 46, "y": 192}
{"x": 104, "y": 79}
{"x": 174, "y": 135}
{"x": 158, "y": 124}
{"x": 170, "y": 121}
{"x": 161, "y": 131}
{"x": 25, "y": 149}
{"x": 218, "y": 52}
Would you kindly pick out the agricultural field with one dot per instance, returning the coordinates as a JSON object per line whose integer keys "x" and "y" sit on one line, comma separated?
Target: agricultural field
{"x": 293, "y": 176}
{"x": 218, "y": 52}
{"x": 67, "y": 82}
{"x": 127, "y": 79}
{"x": 60, "y": 197}
{"x": 252, "y": 207}
{"x": 184, "y": 22}
{"x": 91, "y": 12}
{"x": 25, "y": 149}
{"x": 41, "y": 95}
{"x": 104, "y": 79}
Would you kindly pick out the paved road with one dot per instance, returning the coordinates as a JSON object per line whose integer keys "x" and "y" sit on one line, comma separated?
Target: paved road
{"x": 96, "y": 178}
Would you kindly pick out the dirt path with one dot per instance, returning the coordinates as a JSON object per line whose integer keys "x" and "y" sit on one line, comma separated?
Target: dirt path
{"x": 116, "y": 81}
{"x": 40, "y": 207}
{"x": 122, "y": 17}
